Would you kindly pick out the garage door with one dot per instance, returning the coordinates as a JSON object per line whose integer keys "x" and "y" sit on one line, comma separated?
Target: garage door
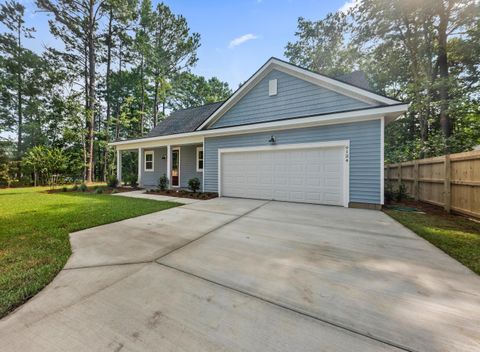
{"x": 310, "y": 175}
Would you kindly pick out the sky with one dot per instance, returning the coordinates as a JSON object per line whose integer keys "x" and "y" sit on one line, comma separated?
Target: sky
{"x": 237, "y": 37}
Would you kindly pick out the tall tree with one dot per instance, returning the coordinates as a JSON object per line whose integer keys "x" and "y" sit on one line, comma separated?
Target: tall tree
{"x": 14, "y": 60}
{"x": 174, "y": 49}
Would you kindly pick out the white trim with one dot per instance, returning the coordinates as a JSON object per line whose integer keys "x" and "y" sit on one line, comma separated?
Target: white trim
{"x": 139, "y": 167}
{"x": 312, "y": 77}
{"x": 119, "y": 166}
{"x": 293, "y": 146}
{"x": 198, "y": 149}
{"x": 152, "y": 153}
{"x": 382, "y": 161}
{"x": 203, "y": 173}
{"x": 179, "y": 180}
{"x": 169, "y": 165}
{"x": 301, "y": 122}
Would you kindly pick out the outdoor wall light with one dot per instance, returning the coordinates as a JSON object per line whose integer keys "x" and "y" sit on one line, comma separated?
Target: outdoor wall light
{"x": 272, "y": 140}
{"x": 164, "y": 156}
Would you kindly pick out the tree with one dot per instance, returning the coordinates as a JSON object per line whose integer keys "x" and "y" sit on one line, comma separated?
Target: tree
{"x": 189, "y": 90}
{"x": 173, "y": 50}
{"x": 46, "y": 163}
{"x": 14, "y": 59}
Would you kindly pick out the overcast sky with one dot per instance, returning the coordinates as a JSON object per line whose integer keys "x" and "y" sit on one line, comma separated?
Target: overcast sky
{"x": 237, "y": 37}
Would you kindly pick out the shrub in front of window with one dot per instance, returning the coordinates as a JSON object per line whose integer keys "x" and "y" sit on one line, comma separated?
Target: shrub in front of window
{"x": 163, "y": 183}
{"x": 112, "y": 182}
{"x": 194, "y": 184}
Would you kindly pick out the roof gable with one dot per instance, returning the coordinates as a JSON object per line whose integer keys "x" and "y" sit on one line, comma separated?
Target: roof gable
{"x": 345, "y": 89}
{"x": 295, "y": 97}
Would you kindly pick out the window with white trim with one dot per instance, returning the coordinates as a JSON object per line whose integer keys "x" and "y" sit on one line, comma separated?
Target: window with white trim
{"x": 148, "y": 164}
{"x": 199, "y": 159}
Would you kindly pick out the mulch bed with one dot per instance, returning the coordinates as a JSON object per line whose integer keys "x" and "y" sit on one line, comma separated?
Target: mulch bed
{"x": 184, "y": 194}
{"x": 425, "y": 208}
{"x": 105, "y": 189}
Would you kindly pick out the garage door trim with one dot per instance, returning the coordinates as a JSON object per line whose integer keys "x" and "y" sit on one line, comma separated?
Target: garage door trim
{"x": 341, "y": 143}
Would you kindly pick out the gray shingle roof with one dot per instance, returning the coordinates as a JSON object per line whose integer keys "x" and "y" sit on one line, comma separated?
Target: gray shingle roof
{"x": 355, "y": 78}
{"x": 186, "y": 120}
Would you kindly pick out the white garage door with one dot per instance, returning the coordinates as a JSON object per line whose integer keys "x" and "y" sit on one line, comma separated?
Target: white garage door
{"x": 309, "y": 175}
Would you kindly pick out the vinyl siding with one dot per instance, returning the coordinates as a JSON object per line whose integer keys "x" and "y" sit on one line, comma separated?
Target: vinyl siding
{"x": 295, "y": 97}
{"x": 365, "y": 153}
{"x": 151, "y": 178}
{"x": 188, "y": 168}
{"x": 188, "y": 164}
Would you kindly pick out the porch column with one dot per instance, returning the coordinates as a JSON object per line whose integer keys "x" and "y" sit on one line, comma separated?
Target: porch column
{"x": 119, "y": 166}
{"x": 169, "y": 165}
{"x": 140, "y": 161}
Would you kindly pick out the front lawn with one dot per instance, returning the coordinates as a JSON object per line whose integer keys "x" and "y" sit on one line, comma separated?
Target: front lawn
{"x": 457, "y": 236}
{"x": 34, "y": 228}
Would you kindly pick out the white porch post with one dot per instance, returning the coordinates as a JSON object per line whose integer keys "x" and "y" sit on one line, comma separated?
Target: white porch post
{"x": 119, "y": 166}
{"x": 169, "y": 165}
{"x": 140, "y": 160}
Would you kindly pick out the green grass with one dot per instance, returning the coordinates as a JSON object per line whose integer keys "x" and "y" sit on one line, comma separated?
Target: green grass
{"x": 455, "y": 235}
{"x": 34, "y": 228}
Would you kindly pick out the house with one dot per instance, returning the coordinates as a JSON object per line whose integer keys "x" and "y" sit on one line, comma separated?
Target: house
{"x": 287, "y": 134}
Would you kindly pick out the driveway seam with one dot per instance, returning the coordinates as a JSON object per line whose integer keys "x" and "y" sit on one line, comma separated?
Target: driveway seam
{"x": 336, "y": 325}
{"x": 212, "y": 230}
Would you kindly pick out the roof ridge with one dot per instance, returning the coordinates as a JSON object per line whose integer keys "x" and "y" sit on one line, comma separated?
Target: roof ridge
{"x": 198, "y": 106}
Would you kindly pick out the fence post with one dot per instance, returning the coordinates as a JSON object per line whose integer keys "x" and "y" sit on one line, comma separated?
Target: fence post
{"x": 447, "y": 185}
{"x": 416, "y": 190}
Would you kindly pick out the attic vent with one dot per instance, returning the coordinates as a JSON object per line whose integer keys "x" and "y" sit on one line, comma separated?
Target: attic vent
{"x": 272, "y": 87}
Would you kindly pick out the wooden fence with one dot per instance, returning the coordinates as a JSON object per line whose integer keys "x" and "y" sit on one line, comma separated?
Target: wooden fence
{"x": 451, "y": 181}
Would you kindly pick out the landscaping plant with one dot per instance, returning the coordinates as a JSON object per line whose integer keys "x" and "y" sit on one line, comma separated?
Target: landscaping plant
{"x": 163, "y": 182}
{"x": 194, "y": 184}
{"x": 112, "y": 182}
{"x": 83, "y": 187}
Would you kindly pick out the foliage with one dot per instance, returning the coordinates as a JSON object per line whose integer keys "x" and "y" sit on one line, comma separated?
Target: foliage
{"x": 163, "y": 182}
{"x": 83, "y": 187}
{"x": 112, "y": 182}
{"x": 99, "y": 190}
{"x": 35, "y": 227}
{"x": 47, "y": 163}
{"x": 194, "y": 184}
{"x": 425, "y": 53}
{"x": 132, "y": 180}
{"x": 398, "y": 193}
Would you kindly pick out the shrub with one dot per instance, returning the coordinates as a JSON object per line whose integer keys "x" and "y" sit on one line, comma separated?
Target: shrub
{"x": 75, "y": 187}
{"x": 194, "y": 184}
{"x": 163, "y": 183}
{"x": 112, "y": 182}
{"x": 389, "y": 193}
{"x": 64, "y": 189}
{"x": 401, "y": 193}
{"x": 131, "y": 180}
{"x": 99, "y": 190}
{"x": 83, "y": 187}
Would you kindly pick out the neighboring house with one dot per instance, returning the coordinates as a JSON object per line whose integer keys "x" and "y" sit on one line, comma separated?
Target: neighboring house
{"x": 287, "y": 134}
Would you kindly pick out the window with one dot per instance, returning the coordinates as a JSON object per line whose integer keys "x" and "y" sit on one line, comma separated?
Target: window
{"x": 149, "y": 161}
{"x": 199, "y": 159}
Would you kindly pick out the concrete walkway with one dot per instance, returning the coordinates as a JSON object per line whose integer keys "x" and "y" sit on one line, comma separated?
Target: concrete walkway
{"x": 248, "y": 275}
{"x": 143, "y": 195}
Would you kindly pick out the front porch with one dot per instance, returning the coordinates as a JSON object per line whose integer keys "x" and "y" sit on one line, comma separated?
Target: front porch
{"x": 179, "y": 162}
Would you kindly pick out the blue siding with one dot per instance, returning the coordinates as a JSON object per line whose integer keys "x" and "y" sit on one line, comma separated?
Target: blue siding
{"x": 365, "y": 153}
{"x": 150, "y": 178}
{"x": 188, "y": 168}
{"x": 188, "y": 164}
{"x": 295, "y": 97}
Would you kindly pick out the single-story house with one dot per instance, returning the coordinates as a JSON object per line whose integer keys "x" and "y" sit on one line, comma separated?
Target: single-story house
{"x": 286, "y": 134}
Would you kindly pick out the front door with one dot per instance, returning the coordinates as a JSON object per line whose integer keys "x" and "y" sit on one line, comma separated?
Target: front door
{"x": 175, "y": 167}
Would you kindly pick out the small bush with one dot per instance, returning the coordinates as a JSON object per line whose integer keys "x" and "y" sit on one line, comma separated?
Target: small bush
{"x": 75, "y": 187}
{"x": 389, "y": 193}
{"x": 194, "y": 184}
{"x": 83, "y": 187}
{"x": 64, "y": 189}
{"x": 112, "y": 182}
{"x": 99, "y": 190}
{"x": 163, "y": 183}
{"x": 401, "y": 193}
{"x": 131, "y": 180}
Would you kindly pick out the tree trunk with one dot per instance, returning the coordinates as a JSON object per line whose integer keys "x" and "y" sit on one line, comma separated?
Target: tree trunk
{"x": 155, "y": 102}
{"x": 117, "y": 124}
{"x": 91, "y": 88}
{"x": 445, "y": 121}
{"x": 142, "y": 105}
{"x": 107, "y": 86}
{"x": 19, "y": 97}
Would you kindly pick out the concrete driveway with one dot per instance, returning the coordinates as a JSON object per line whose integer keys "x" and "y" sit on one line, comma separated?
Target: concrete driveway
{"x": 247, "y": 275}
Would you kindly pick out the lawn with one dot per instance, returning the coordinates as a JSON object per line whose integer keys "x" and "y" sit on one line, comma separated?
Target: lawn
{"x": 34, "y": 228}
{"x": 457, "y": 236}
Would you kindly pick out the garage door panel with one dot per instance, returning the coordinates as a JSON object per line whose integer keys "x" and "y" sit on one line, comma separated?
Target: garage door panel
{"x": 312, "y": 175}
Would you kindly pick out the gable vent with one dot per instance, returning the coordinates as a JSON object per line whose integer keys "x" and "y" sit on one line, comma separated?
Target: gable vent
{"x": 272, "y": 87}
